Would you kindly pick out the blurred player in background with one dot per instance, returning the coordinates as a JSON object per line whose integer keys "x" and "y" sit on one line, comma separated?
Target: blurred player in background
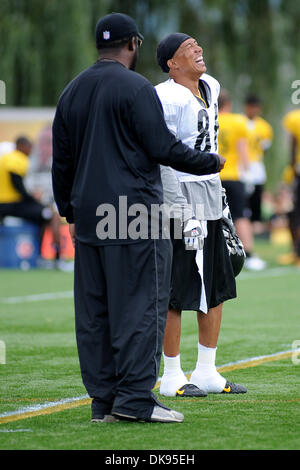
{"x": 291, "y": 123}
{"x": 260, "y": 136}
{"x": 6, "y": 147}
{"x": 38, "y": 177}
{"x": 38, "y": 180}
{"x": 234, "y": 146}
{"x": 15, "y": 200}
{"x": 202, "y": 274}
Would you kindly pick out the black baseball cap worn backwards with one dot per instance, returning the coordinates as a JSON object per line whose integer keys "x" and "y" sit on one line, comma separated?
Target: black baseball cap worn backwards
{"x": 167, "y": 48}
{"x": 115, "y": 27}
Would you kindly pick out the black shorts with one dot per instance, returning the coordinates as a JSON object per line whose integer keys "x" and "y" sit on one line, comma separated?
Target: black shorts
{"x": 254, "y": 203}
{"x": 218, "y": 276}
{"x": 28, "y": 210}
{"x": 236, "y": 197}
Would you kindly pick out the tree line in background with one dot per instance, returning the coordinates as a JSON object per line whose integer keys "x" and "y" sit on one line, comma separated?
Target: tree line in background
{"x": 249, "y": 46}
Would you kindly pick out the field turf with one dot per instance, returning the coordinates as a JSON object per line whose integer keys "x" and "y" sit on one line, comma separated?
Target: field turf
{"x": 42, "y": 367}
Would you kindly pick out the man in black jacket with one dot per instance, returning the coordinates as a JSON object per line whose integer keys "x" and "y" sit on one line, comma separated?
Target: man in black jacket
{"x": 109, "y": 137}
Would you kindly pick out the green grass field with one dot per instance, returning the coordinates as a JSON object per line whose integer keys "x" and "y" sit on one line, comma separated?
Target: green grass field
{"x": 42, "y": 366}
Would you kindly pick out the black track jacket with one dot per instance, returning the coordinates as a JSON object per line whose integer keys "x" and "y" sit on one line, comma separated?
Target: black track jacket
{"x": 109, "y": 137}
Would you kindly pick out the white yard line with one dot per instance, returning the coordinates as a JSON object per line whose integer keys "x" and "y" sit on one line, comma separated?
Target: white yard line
{"x": 37, "y": 297}
{"x": 15, "y": 430}
{"x": 245, "y": 275}
{"x": 40, "y": 407}
{"x": 271, "y": 272}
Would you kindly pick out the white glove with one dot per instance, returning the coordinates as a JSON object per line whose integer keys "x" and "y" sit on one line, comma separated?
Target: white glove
{"x": 247, "y": 179}
{"x": 193, "y": 235}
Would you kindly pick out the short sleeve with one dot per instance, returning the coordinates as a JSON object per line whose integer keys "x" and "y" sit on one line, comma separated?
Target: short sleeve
{"x": 18, "y": 165}
{"x": 288, "y": 123}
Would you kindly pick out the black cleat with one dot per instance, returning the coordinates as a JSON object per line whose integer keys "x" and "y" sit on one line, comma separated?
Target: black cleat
{"x": 231, "y": 387}
{"x": 190, "y": 390}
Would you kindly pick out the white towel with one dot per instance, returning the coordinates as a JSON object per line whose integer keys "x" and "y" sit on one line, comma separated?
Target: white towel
{"x": 199, "y": 261}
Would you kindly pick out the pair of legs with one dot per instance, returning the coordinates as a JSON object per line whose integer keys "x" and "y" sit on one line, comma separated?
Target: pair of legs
{"x": 240, "y": 213}
{"x": 237, "y": 201}
{"x": 186, "y": 293}
{"x": 205, "y": 376}
{"x": 208, "y": 329}
{"x": 295, "y": 235}
{"x": 121, "y": 300}
{"x": 294, "y": 221}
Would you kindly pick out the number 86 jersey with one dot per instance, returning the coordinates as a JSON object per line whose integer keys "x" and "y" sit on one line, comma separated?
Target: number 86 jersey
{"x": 192, "y": 119}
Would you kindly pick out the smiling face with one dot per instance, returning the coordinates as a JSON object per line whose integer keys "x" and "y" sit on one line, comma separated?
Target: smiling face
{"x": 188, "y": 59}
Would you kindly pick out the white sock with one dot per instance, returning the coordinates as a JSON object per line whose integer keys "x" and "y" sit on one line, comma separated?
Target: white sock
{"x": 173, "y": 377}
{"x": 172, "y": 365}
{"x": 205, "y": 374}
{"x": 206, "y": 361}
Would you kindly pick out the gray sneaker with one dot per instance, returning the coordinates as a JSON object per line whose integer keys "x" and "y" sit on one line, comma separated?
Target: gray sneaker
{"x": 104, "y": 419}
{"x": 165, "y": 415}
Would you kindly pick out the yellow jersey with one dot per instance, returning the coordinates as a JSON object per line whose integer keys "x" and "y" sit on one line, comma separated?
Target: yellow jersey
{"x": 14, "y": 162}
{"x": 291, "y": 122}
{"x": 260, "y": 136}
{"x": 232, "y": 128}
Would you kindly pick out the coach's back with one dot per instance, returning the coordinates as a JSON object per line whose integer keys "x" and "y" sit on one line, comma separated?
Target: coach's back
{"x": 100, "y": 111}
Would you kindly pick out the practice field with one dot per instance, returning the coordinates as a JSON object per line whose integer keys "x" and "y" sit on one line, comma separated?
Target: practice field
{"x": 43, "y": 404}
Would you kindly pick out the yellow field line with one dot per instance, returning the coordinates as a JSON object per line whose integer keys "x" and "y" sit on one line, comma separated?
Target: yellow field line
{"x": 34, "y": 400}
{"x": 86, "y": 401}
{"x": 256, "y": 361}
{"x": 45, "y": 411}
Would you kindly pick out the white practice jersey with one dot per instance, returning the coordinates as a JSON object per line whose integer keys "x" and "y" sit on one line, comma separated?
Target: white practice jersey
{"x": 189, "y": 120}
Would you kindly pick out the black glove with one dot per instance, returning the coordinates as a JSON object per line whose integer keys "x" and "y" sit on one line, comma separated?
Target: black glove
{"x": 234, "y": 244}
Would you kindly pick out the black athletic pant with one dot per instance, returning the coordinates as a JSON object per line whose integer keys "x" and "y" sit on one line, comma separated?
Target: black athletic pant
{"x": 121, "y": 302}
